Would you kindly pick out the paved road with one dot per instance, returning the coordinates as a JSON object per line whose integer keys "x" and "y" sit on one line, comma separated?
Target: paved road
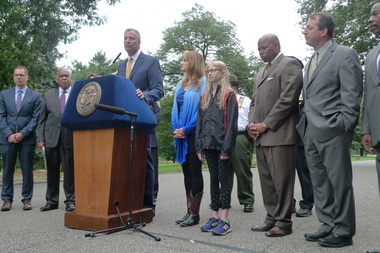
{"x": 33, "y": 231}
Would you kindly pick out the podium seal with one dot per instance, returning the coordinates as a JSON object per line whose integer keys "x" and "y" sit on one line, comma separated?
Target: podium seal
{"x": 88, "y": 96}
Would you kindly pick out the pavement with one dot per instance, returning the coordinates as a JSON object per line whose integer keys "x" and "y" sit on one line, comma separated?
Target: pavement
{"x": 35, "y": 231}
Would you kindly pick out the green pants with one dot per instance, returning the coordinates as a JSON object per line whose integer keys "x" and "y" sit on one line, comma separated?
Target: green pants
{"x": 241, "y": 159}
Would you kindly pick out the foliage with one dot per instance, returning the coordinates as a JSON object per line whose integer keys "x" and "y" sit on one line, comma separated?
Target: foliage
{"x": 350, "y": 18}
{"x": 202, "y": 31}
{"x": 166, "y": 148}
{"x": 99, "y": 64}
{"x": 30, "y": 32}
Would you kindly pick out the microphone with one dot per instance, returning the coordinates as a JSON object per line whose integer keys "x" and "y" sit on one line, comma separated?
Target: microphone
{"x": 113, "y": 109}
{"x": 117, "y": 57}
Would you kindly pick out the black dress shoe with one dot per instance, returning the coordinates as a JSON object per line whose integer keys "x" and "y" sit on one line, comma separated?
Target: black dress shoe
{"x": 335, "y": 240}
{"x": 70, "y": 208}
{"x": 48, "y": 207}
{"x": 313, "y": 237}
{"x": 248, "y": 208}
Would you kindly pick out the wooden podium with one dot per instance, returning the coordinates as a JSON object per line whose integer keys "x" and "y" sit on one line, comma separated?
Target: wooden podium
{"x": 102, "y": 157}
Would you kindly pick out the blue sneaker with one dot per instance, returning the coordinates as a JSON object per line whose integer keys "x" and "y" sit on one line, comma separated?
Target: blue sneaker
{"x": 223, "y": 228}
{"x": 210, "y": 225}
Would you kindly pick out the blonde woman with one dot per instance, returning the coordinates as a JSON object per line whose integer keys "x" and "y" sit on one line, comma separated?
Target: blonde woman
{"x": 184, "y": 117}
{"x": 215, "y": 139}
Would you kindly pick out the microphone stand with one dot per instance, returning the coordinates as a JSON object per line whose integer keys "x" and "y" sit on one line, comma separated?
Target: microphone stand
{"x": 130, "y": 223}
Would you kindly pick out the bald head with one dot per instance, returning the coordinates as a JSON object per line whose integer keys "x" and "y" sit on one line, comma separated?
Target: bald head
{"x": 269, "y": 47}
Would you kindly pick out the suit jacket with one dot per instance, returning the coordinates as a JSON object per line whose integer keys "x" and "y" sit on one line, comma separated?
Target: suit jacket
{"x": 332, "y": 95}
{"x": 49, "y": 124}
{"x": 275, "y": 102}
{"x": 145, "y": 75}
{"x": 371, "y": 104}
{"x": 26, "y": 119}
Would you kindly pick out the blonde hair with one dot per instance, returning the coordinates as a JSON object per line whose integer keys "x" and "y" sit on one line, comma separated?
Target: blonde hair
{"x": 223, "y": 83}
{"x": 195, "y": 69}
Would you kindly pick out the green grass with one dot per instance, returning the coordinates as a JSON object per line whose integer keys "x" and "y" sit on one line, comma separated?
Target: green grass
{"x": 170, "y": 167}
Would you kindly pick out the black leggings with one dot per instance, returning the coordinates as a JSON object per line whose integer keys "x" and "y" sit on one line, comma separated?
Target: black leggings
{"x": 192, "y": 169}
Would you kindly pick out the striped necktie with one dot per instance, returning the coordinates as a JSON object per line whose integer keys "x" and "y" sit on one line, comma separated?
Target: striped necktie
{"x": 19, "y": 100}
{"x": 313, "y": 65}
{"x": 62, "y": 101}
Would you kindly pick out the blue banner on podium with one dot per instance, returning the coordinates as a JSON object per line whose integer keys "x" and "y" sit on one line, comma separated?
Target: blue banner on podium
{"x": 110, "y": 90}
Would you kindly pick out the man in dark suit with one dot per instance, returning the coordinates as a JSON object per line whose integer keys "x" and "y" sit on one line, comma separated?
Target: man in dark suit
{"x": 19, "y": 111}
{"x": 333, "y": 87}
{"x": 144, "y": 71}
{"x": 371, "y": 114}
{"x": 57, "y": 142}
{"x": 273, "y": 115}
{"x": 154, "y": 149}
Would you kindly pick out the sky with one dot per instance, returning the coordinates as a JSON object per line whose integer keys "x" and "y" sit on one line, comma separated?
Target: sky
{"x": 253, "y": 18}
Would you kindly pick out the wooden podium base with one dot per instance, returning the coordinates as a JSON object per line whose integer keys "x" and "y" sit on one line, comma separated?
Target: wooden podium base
{"x": 93, "y": 222}
{"x": 102, "y": 177}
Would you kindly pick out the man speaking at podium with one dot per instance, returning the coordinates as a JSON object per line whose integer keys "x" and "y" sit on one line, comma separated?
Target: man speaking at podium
{"x": 144, "y": 72}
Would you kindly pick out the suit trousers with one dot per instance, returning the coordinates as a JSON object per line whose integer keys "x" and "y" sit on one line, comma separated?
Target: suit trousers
{"x": 241, "y": 160}
{"x": 149, "y": 180}
{"x": 26, "y": 155}
{"x": 303, "y": 173}
{"x": 54, "y": 158}
{"x": 331, "y": 173}
{"x": 377, "y": 150}
{"x": 154, "y": 152}
{"x": 276, "y": 165}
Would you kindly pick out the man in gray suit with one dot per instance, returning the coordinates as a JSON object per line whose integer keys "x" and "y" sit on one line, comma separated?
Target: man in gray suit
{"x": 333, "y": 87}
{"x": 58, "y": 143}
{"x": 274, "y": 114}
{"x": 19, "y": 110}
{"x": 371, "y": 113}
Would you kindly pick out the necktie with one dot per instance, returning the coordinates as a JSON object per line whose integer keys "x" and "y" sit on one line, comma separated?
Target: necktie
{"x": 266, "y": 69}
{"x": 129, "y": 66}
{"x": 313, "y": 65}
{"x": 62, "y": 101}
{"x": 19, "y": 100}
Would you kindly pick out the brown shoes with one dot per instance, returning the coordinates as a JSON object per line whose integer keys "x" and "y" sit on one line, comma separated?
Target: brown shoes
{"x": 27, "y": 205}
{"x": 262, "y": 228}
{"x": 278, "y": 232}
{"x": 7, "y": 205}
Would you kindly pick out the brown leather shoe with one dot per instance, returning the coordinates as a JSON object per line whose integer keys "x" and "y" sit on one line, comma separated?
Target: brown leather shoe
{"x": 27, "y": 205}
{"x": 262, "y": 228}
{"x": 7, "y": 205}
{"x": 278, "y": 232}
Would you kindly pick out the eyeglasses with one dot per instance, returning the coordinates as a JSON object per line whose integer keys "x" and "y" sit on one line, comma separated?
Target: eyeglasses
{"x": 212, "y": 70}
{"x": 19, "y": 75}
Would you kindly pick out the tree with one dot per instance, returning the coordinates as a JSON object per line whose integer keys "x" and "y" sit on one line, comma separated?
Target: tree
{"x": 30, "y": 31}
{"x": 166, "y": 148}
{"x": 350, "y": 18}
{"x": 215, "y": 39}
{"x": 205, "y": 33}
{"x": 99, "y": 64}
